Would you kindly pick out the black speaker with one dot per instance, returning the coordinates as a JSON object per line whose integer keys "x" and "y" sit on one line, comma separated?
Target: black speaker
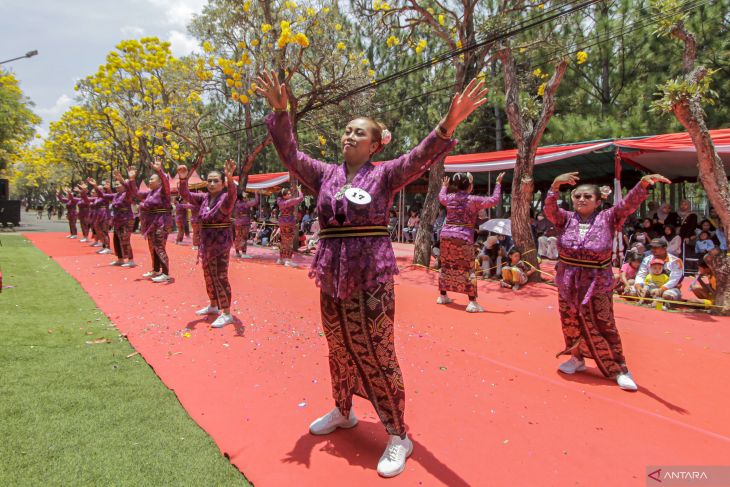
{"x": 4, "y": 190}
{"x": 10, "y": 212}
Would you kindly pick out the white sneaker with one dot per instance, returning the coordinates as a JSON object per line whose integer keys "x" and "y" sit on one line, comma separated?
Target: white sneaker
{"x": 393, "y": 460}
{"x": 279, "y": 261}
{"x": 626, "y": 382}
{"x": 105, "y": 251}
{"x": 129, "y": 264}
{"x": 331, "y": 421}
{"x": 72, "y": 236}
{"x": 161, "y": 278}
{"x": 117, "y": 262}
{"x": 572, "y": 366}
{"x": 246, "y": 256}
{"x": 222, "y": 320}
{"x": 208, "y": 310}
{"x": 96, "y": 244}
{"x": 150, "y": 274}
{"x": 474, "y": 307}
{"x": 289, "y": 263}
{"x": 194, "y": 247}
{"x": 444, "y": 300}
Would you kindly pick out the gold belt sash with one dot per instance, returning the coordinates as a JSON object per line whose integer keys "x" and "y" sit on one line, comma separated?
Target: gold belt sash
{"x": 216, "y": 225}
{"x": 157, "y": 210}
{"x": 589, "y": 264}
{"x": 350, "y": 232}
{"x": 453, "y": 224}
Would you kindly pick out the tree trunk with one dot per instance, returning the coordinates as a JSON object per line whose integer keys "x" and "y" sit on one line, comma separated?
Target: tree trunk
{"x": 424, "y": 236}
{"x": 522, "y": 192}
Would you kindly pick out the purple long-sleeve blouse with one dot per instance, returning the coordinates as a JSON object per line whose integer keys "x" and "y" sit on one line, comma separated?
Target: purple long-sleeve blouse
{"x": 577, "y": 284}
{"x": 121, "y": 203}
{"x": 343, "y": 267}
{"x": 155, "y": 210}
{"x": 213, "y": 210}
{"x": 287, "y": 208}
{"x": 242, "y": 210}
{"x": 181, "y": 210}
{"x": 461, "y": 211}
{"x": 70, "y": 203}
{"x": 83, "y": 204}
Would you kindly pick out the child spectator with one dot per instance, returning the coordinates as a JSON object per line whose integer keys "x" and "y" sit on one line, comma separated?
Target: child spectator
{"x": 704, "y": 244}
{"x": 655, "y": 279}
{"x": 704, "y": 286}
{"x": 627, "y": 277}
{"x": 411, "y": 226}
{"x": 517, "y": 272}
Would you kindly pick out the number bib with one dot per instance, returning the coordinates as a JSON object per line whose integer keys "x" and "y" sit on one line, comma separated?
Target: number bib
{"x": 358, "y": 196}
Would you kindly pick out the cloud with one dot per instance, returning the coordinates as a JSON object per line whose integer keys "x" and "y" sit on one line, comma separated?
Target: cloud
{"x": 182, "y": 44}
{"x": 132, "y": 31}
{"x": 179, "y": 12}
{"x": 62, "y": 103}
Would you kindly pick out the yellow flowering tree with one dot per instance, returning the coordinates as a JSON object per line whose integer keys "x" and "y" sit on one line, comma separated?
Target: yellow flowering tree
{"x": 310, "y": 46}
{"x": 146, "y": 102}
{"x": 17, "y": 120}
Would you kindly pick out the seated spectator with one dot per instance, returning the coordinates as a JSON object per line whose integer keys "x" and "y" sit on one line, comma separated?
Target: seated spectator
{"x": 674, "y": 241}
{"x": 672, "y": 266}
{"x": 307, "y": 222}
{"x": 409, "y": 231}
{"x": 665, "y": 215}
{"x": 393, "y": 224}
{"x": 627, "y": 276}
{"x": 547, "y": 240}
{"x": 704, "y": 285}
{"x": 654, "y": 280}
{"x": 313, "y": 239}
{"x": 641, "y": 233}
{"x": 517, "y": 272}
{"x": 490, "y": 257}
{"x": 704, "y": 244}
{"x": 721, "y": 240}
{"x": 439, "y": 224}
{"x": 687, "y": 219}
{"x": 436, "y": 254}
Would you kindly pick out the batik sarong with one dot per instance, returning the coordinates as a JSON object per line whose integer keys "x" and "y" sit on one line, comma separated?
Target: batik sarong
{"x": 457, "y": 267}
{"x": 362, "y": 356}
{"x": 592, "y": 333}
{"x": 286, "y": 244}
{"x": 217, "y": 285}
{"x": 241, "y": 241}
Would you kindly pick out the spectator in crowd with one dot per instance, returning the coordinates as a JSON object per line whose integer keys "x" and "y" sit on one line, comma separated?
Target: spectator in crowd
{"x": 439, "y": 224}
{"x": 490, "y": 257}
{"x": 704, "y": 285}
{"x": 409, "y": 231}
{"x": 306, "y": 221}
{"x": 672, "y": 266}
{"x": 627, "y": 276}
{"x": 714, "y": 219}
{"x": 651, "y": 209}
{"x": 665, "y": 215}
{"x": 674, "y": 241}
{"x": 641, "y": 234}
{"x": 517, "y": 272}
{"x": 704, "y": 244}
{"x": 687, "y": 220}
{"x": 655, "y": 280}
{"x": 547, "y": 240}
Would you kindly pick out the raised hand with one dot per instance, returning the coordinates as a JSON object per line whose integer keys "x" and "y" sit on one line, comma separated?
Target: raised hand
{"x": 118, "y": 176}
{"x": 131, "y": 173}
{"x": 464, "y": 104}
{"x": 500, "y": 176}
{"x": 157, "y": 165}
{"x": 652, "y": 179}
{"x": 91, "y": 181}
{"x": 83, "y": 187}
{"x": 445, "y": 181}
{"x": 182, "y": 171}
{"x": 229, "y": 167}
{"x": 570, "y": 178}
{"x": 270, "y": 88}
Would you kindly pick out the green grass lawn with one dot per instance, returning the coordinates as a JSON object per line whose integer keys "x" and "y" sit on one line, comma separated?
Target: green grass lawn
{"x": 74, "y": 414}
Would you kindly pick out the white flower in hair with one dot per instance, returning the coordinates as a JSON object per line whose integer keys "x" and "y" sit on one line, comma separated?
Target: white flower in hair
{"x": 385, "y": 137}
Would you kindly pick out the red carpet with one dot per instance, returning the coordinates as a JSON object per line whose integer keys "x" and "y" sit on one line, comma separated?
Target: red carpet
{"x": 485, "y": 403}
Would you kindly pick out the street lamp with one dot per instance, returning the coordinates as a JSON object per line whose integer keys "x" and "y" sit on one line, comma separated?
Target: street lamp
{"x": 27, "y": 54}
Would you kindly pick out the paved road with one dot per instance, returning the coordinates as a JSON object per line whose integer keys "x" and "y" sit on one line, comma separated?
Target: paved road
{"x": 29, "y": 222}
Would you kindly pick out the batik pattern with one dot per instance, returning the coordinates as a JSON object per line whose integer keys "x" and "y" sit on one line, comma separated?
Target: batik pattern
{"x": 457, "y": 267}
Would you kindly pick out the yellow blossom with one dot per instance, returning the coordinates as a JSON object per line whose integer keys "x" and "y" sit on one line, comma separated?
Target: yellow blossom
{"x": 458, "y": 44}
{"x": 338, "y": 27}
{"x": 244, "y": 99}
{"x": 302, "y": 40}
{"x": 255, "y": 42}
{"x": 207, "y": 47}
{"x": 238, "y": 84}
{"x": 311, "y": 12}
{"x": 581, "y": 57}
{"x": 421, "y": 46}
{"x": 234, "y": 96}
{"x": 326, "y": 10}
{"x": 242, "y": 45}
{"x": 322, "y": 140}
{"x": 392, "y": 41}
{"x": 284, "y": 25}
{"x": 537, "y": 73}
{"x": 229, "y": 82}
{"x": 341, "y": 46}
{"x": 364, "y": 62}
{"x": 371, "y": 73}
{"x": 541, "y": 90}
{"x": 441, "y": 19}
{"x": 246, "y": 6}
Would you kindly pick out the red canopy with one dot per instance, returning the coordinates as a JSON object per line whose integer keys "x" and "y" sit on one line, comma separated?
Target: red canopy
{"x": 673, "y": 155}
{"x": 194, "y": 182}
{"x": 265, "y": 181}
{"x": 505, "y": 160}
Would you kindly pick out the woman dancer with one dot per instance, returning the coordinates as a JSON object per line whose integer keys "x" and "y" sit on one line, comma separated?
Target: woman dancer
{"x": 216, "y": 237}
{"x": 584, "y": 277}
{"x": 181, "y": 219}
{"x": 100, "y": 219}
{"x": 287, "y": 224}
{"x": 70, "y": 203}
{"x": 242, "y": 214}
{"x": 155, "y": 213}
{"x": 122, "y": 217}
{"x": 354, "y": 265}
{"x": 195, "y": 224}
{"x": 457, "y": 237}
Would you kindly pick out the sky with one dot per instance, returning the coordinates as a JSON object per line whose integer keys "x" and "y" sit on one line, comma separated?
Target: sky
{"x": 73, "y": 38}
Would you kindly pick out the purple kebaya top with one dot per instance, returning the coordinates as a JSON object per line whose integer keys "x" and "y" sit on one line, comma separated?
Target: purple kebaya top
{"x": 71, "y": 203}
{"x": 83, "y": 204}
{"x": 213, "y": 210}
{"x": 343, "y": 267}
{"x": 155, "y": 211}
{"x": 461, "y": 212}
{"x": 181, "y": 210}
{"x": 577, "y": 284}
{"x": 242, "y": 210}
{"x": 287, "y": 207}
{"x": 121, "y": 205}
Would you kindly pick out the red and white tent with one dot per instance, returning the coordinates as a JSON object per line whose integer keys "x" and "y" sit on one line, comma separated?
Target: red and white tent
{"x": 265, "y": 181}
{"x": 673, "y": 155}
{"x": 194, "y": 181}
